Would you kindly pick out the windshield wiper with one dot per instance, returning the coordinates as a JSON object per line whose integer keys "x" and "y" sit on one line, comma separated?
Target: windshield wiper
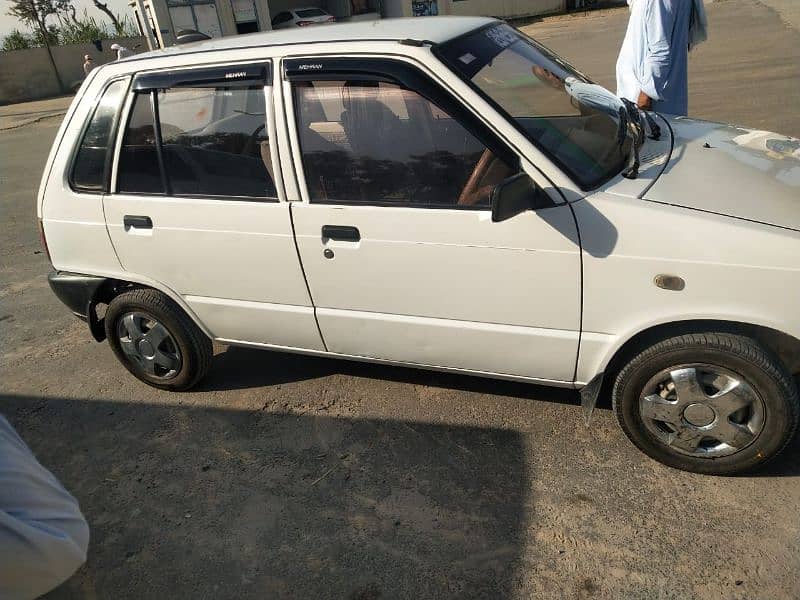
{"x": 655, "y": 130}
{"x": 631, "y": 122}
{"x": 637, "y": 119}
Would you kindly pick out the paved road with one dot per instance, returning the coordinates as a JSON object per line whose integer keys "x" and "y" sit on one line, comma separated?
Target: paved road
{"x": 13, "y": 116}
{"x": 290, "y": 477}
{"x": 747, "y": 73}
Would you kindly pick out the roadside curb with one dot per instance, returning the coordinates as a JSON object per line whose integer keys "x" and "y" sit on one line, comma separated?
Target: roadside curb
{"x": 568, "y": 16}
{"x": 32, "y": 121}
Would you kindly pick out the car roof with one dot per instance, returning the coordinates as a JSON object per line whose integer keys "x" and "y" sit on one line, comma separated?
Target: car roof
{"x": 434, "y": 29}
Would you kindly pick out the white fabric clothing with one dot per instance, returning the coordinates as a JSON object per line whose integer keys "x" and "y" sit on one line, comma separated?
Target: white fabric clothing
{"x": 43, "y": 535}
{"x": 655, "y": 52}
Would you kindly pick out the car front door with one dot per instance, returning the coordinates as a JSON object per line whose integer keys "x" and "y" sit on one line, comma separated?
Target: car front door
{"x": 195, "y": 203}
{"x": 395, "y": 234}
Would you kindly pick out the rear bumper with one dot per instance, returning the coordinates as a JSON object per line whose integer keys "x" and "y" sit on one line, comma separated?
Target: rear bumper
{"x": 76, "y": 291}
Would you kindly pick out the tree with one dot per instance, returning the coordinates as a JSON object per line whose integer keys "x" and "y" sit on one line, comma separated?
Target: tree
{"x": 35, "y": 14}
{"x": 17, "y": 40}
{"x": 104, "y": 8}
{"x": 64, "y": 11}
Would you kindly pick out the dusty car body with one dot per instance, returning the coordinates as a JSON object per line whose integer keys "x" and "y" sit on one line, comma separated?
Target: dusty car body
{"x": 428, "y": 192}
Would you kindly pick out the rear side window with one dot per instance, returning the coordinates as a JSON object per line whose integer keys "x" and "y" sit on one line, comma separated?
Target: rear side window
{"x": 214, "y": 142}
{"x": 93, "y": 160}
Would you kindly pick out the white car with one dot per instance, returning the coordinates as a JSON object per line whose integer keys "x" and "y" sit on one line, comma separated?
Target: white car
{"x": 301, "y": 17}
{"x": 443, "y": 193}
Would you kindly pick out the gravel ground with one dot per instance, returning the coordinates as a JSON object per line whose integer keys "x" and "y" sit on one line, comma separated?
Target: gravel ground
{"x": 293, "y": 477}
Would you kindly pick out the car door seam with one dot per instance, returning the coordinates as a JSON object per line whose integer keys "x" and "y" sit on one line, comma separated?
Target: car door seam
{"x": 305, "y": 278}
{"x": 580, "y": 298}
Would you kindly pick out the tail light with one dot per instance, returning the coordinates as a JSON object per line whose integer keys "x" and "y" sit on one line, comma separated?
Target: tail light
{"x": 43, "y": 240}
{"x": 331, "y": 20}
{"x": 304, "y": 23}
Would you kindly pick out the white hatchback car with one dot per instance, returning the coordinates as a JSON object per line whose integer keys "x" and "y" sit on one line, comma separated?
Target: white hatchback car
{"x": 443, "y": 193}
{"x": 302, "y": 17}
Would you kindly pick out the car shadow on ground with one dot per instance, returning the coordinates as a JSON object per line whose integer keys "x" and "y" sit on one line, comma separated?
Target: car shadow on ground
{"x": 242, "y": 368}
{"x": 204, "y": 502}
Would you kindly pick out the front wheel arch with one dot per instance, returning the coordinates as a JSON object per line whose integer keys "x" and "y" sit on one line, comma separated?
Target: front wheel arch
{"x": 783, "y": 345}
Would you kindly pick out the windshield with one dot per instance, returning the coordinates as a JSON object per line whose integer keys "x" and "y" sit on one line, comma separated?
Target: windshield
{"x": 526, "y": 81}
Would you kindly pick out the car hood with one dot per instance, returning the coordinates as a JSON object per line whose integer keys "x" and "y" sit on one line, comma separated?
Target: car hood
{"x": 743, "y": 173}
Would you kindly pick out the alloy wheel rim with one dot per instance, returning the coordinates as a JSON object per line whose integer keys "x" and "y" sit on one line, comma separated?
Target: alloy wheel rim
{"x": 149, "y": 345}
{"x": 702, "y": 410}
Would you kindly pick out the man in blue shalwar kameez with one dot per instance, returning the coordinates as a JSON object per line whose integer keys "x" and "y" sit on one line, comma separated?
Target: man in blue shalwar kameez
{"x": 652, "y": 68}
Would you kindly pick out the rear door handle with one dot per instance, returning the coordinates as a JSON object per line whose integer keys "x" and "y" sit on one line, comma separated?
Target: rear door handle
{"x": 343, "y": 233}
{"x": 137, "y": 222}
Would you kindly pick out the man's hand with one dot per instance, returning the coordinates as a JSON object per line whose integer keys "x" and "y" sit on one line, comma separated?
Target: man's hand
{"x": 644, "y": 102}
{"x": 547, "y": 77}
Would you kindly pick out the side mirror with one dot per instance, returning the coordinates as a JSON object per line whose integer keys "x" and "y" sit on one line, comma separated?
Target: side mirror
{"x": 513, "y": 196}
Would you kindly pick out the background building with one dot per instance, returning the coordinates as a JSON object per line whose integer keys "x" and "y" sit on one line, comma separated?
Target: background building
{"x": 230, "y": 17}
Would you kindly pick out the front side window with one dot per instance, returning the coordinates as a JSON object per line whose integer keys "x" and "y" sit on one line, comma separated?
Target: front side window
{"x": 527, "y": 82}
{"x": 373, "y": 142}
{"x": 93, "y": 159}
{"x": 214, "y": 142}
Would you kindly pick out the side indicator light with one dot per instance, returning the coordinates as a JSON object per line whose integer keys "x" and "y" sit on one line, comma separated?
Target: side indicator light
{"x": 669, "y": 282}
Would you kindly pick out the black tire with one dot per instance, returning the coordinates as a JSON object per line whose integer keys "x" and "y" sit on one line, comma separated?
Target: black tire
{"x": 194, "y": 347}
{"x": 738, "y": 354}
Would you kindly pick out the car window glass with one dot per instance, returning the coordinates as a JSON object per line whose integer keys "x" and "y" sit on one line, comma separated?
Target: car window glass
{"x": 139, "y": 171}
{"x": 89, "y": 168}
{"x": 528, "y": 83}
{"x": 305, "y": 13}
{"x": 376, "y": 142}
{"x": 215, "y": 141}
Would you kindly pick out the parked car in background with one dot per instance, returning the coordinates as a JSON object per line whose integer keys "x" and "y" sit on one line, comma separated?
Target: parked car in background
{"x": 302, "y": 17}
{"x": 442, "y": 193}
{"x": 186, "y": 36}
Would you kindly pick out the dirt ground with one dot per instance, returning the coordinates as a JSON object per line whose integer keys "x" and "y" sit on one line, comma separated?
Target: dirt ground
{"x": 292, "y": 477}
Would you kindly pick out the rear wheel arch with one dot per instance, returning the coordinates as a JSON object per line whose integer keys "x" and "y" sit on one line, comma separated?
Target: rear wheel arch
{"x": 113, "y": 287}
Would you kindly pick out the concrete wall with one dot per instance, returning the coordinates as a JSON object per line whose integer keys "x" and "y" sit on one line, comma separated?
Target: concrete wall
{"x": 27, "y": 74}
{"x": 505, "y": 9}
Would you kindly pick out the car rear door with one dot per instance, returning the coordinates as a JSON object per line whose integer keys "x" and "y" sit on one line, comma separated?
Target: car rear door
{"x": 395, "y": 234}
{"x": 195, "y": 203}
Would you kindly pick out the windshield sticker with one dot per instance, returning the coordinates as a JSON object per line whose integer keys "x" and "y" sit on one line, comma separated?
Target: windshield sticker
{"x": 467, "y": 58}
{"x": 501, "y": 35}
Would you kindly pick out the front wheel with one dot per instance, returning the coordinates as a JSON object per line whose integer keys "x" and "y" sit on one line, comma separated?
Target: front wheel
{"x": 712, "y": 403}
{"x": 156, "y": 341}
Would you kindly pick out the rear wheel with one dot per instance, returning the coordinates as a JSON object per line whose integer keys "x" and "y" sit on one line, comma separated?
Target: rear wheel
{"x": 156, "y": 341}
{"x": 712, "y": 403}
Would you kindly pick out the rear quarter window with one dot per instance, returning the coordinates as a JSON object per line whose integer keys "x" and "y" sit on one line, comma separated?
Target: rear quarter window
{"x": 91, "y": 166}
